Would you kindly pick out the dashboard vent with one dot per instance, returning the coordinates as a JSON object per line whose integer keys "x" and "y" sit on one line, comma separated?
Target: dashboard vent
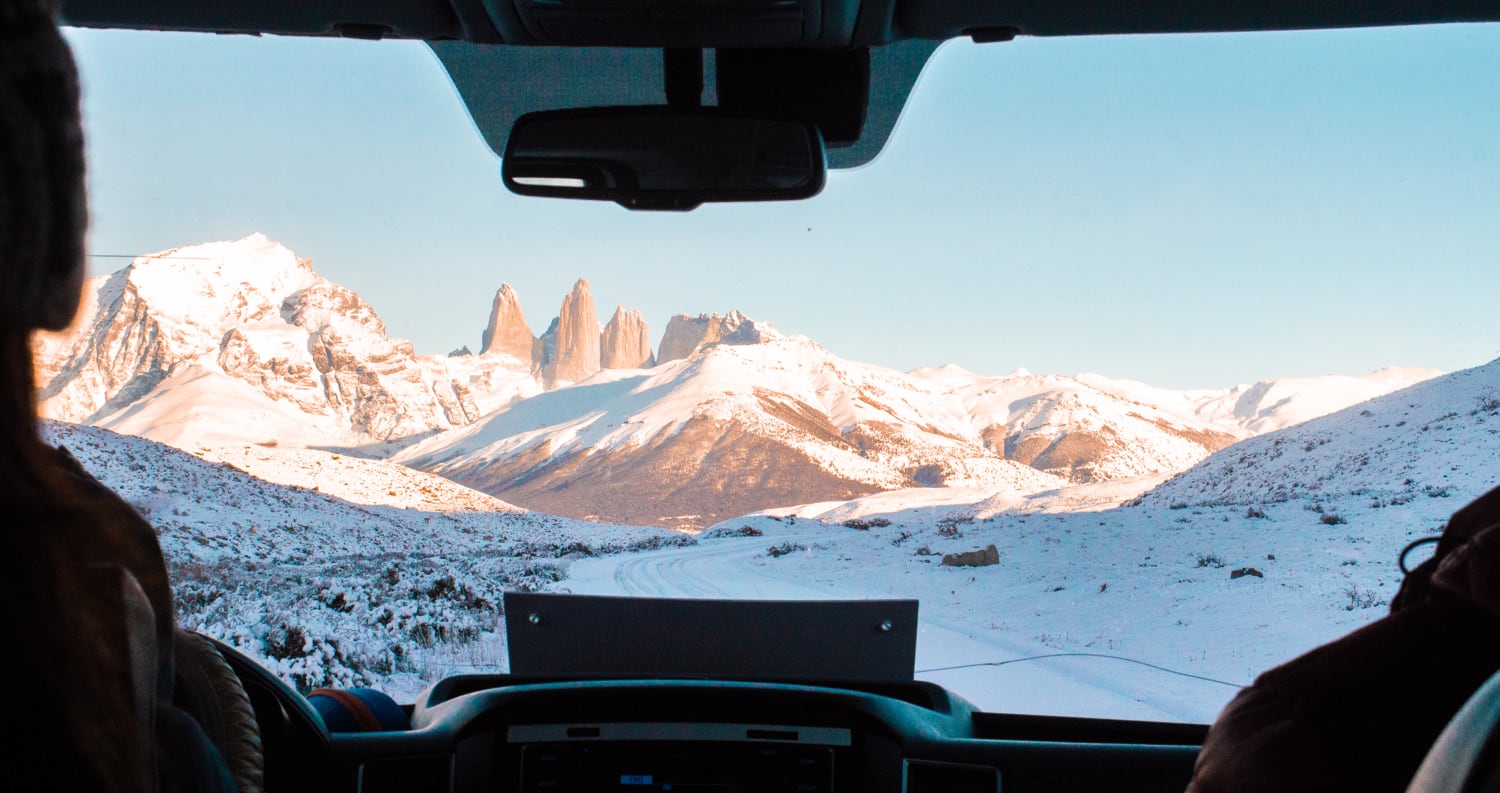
{"x": 926, "y": 776}
{"x": 425, "y": 774}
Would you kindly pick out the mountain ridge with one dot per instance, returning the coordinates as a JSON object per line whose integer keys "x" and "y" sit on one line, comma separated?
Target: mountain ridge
{"x": 242, "y": 343}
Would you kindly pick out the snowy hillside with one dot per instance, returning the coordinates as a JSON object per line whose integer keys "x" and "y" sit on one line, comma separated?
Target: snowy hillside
{"x": 323, "y": 588}
{"x": 1438, "y": 439}
{"x": 1269, "y": 404}
{"x": 357, "y": 480}
{"x": 1119, "y": 612}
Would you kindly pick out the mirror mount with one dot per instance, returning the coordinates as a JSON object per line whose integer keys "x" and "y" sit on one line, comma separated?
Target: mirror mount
{"x": 682, "y": 74}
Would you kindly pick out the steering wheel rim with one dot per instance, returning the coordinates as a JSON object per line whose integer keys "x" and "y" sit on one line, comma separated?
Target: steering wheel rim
{"x": 209, "y": 690}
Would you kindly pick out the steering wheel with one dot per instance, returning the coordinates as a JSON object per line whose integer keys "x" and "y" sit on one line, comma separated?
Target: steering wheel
{"x": 209, "y": 690}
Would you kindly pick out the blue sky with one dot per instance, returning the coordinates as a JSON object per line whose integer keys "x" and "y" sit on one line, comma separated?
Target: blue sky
{"x": 1191, "y": 211}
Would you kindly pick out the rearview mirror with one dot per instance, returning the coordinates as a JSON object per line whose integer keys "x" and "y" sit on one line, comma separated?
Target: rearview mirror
{"x": 661, "y": 157}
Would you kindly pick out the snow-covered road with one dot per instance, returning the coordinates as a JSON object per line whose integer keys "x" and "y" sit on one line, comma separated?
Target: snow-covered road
{"x": 1080, "y": 686}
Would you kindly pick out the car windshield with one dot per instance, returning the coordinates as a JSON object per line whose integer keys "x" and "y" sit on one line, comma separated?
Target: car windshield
{"x": 1135, "y": 360}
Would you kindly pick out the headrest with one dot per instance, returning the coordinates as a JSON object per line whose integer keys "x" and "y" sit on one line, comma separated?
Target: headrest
{"x": 1466, "y": 756}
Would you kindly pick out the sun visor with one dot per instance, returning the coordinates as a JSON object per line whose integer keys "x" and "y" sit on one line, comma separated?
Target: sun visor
{"x": 499, "y": 84}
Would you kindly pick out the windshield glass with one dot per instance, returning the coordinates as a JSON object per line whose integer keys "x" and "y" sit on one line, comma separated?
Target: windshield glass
{"x": 1135, "y": 360}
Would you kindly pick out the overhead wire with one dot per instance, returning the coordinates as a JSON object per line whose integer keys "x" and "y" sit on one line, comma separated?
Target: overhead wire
{"x": 1083, "y": 655}
{"x": 147, "y": 256}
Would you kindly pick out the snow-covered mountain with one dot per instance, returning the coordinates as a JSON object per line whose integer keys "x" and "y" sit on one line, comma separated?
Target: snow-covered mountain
{"x": 760, "y": 420}
{"x": 241, "y": 342}
{"x": 240, "y": 345}
{"x": 730, "y": 429}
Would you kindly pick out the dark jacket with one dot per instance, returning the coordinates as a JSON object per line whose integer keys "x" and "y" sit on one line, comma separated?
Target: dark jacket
{"x": 1359, "y": 713}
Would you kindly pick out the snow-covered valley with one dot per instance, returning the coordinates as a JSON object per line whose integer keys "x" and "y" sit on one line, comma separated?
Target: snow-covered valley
{"x": 1116, "y": 598}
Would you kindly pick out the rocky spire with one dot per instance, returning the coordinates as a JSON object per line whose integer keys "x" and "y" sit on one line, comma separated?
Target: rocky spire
{"x": 685, "y": 334}
{"x": 625, "y": 343}
{"x": 507, "y": 331}
{"x": 572, "y": 352}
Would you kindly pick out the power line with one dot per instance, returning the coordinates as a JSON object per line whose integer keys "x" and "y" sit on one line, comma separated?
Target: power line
{"x": 148, "y": 256}
{"x": 1083, "y": 655}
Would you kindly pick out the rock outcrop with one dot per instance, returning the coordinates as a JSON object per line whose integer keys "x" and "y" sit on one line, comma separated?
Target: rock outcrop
{"x": 685, "y": 334}
{"x": 625, "y": 343}
{"x": 569, "y": 351}
{"x": 982, "y": 557}
{"x": 507, "y": 331}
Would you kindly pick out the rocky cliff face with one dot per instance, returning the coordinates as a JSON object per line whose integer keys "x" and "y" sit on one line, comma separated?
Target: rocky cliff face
{"x": 685, "y": 334}
{"x": 625, "y": 343}
{"x": 248, "y": 324}
{"x": 507, "y": 331}
{"x": 570, "y": 347}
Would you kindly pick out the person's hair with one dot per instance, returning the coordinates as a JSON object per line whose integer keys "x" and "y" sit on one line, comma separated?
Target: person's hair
{"x": 43, "y": 211}
{"x": 71, "y": 706}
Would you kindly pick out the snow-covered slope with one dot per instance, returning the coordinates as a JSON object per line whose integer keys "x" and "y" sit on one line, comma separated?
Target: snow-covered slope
{"x": 356, "y": 479}
{"x": 1267, "y": 405}
{"x": 378, "y": 575}
{"x": 1437, "y": 439}
{"x": 250, "y": 519}
{"x": 241, "y": 342}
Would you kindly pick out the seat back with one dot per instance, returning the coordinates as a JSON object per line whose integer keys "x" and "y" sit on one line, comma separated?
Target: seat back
{"x": 116, "y": 591}
{"x": 1466, "y": 756}
{"x": 175, "y": 753}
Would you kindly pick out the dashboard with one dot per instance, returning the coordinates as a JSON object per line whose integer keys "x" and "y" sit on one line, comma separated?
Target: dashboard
{"x": 507, "y": 734}
{"x": 624, "y": 695}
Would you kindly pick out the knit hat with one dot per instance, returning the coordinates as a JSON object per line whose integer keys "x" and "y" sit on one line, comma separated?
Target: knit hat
{"x": 43, "y": 213}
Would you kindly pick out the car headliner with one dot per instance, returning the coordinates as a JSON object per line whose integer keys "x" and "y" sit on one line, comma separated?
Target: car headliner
{"x": 582, "y": 72}
{"x": 878, "y": 21}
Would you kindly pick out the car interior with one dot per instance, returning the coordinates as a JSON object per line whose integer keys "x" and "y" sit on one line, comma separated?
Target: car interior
{"x": 666, "y": 105}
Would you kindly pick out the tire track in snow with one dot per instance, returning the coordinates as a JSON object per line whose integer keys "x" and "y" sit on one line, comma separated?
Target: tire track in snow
{"x": 726, "y": 569}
